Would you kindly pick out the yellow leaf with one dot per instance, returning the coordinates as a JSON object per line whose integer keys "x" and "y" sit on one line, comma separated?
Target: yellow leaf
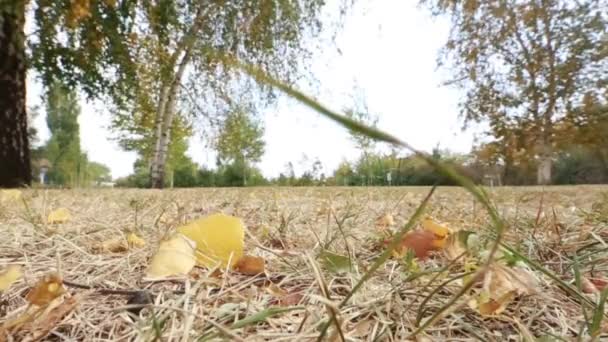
{"x": 174, "y": 257}
{"x": 135, "y": 241}
{"x": 10, "y": 275}
{"x": 219, "y": 238}
{"x": 441, "y": 232}
{"x": 61, "y": 215}
{"x": 47, "y": 289}
{"x": 250, "y": 265}
{"x": 10, "y": 195}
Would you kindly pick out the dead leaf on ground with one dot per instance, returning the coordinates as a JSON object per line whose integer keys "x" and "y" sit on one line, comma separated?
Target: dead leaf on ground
{"x": 385, "y": 221}
{"x": 46, "y": 290}
{"x": 501, "y": 285}
{"x": 250, "y": 265}
{"x": 120, "y": 244}
{"x": 61, "y": 215}
{"x": 46, "y": 321}
{"x": 440, "y": 231}
{"x": 457, "y": 244}
{"x": 593, "y": 285}
{"x": 421, "y": 242}
{"x": 284, "y": 297}
{"x": 218, "y": 238}
{"x": 9, "y": 275}
{"x": 174, "y": 257}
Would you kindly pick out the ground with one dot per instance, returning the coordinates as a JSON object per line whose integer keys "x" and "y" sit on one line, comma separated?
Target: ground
{"x": 289, "y": 228}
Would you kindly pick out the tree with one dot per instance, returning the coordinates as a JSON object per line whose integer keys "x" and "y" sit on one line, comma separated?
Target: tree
{"x": 196, "y": 35}
{"x": 14, "y": 145}
{"x": 63, "y": 148}
{"x": 524, "y": 64}
{"x": 98, "y": 46}
{"x": 240, "y": 141}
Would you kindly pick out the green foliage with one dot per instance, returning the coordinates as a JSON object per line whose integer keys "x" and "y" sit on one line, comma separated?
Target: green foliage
{"x": 68, "y": 165}
{"x": 240, "y": 139}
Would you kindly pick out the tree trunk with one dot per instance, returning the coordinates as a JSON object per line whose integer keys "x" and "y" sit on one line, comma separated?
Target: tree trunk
{"x": 15, "y": 169}
{"x": 545, "y": 163}
{"x": 157, "y": 170}
{"x": 166, "y": 108}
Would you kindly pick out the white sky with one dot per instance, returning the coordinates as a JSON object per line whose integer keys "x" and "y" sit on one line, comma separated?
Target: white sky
{"x": 388, "y": 47}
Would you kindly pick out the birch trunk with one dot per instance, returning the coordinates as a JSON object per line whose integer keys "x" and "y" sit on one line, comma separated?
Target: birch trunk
{"x": 543, "y": 171}
{"x": 166, "y": 107}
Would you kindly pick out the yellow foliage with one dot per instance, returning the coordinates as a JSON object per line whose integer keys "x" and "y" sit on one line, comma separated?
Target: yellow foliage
{"x": 61, "y": 215}
{"x": 174, "y": 257}
{"x": 219, "y": 239}
{"x": 10, "y": 275}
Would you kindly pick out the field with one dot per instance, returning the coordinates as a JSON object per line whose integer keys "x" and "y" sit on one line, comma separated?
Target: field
{"x": 561, "y": 229}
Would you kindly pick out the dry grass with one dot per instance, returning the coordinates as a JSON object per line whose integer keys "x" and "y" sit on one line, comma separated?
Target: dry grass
{"x": 289, "y": 227}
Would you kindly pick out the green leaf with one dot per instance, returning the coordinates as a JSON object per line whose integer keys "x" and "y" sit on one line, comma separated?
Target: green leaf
{"x": 335, "y": 263}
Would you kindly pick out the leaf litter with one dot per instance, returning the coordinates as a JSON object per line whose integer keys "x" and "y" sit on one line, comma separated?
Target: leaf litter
{"x": 188, "y": 253}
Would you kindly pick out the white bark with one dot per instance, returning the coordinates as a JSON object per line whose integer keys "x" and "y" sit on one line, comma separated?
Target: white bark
{"x": 166, "y": 108}
{"x": 543, "y": 172}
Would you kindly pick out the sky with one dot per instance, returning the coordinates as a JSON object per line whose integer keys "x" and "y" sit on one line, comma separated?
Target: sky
{"x": 386, "y": 48}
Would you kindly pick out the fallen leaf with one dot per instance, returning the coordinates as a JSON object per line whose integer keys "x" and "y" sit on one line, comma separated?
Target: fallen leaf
{"x": 285, "y": 298}
{"x": 10, "y": 275}
{"x": 120, "y": 244}
{"x": 335, "y": 263}
{"x": 441, "y": 232}
{"x": 174, "y": 257}
{"x": 457, "y": 244}
{"x": 47, "y": 289}
{"x": 589, "y": 286}
{"x": 291, "y": 299}
{"x": 42, "y": 324}
{"x": 501, "y": 285}
{"x": 250, "y": 265}
{"x": 135, "y": 241}
{"x": 218, "y": 238}
{"x": 61, "y": 215}
{"x": 385, "y": 221}
{"x": 116, "y": 245}
{"x": 421, "y": 242}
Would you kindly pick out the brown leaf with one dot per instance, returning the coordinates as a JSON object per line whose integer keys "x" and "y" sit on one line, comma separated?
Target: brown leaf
{"x": 291, "y": 299}
{"x": 421, "y": 242}
{"x": 40, "y": 327}
{"x": 250, "y": 265}
{"x": 47, "y": 289}
{"x": 588, "y": 286}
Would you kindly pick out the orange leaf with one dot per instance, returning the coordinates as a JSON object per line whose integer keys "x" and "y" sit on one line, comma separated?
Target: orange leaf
{"x": 250, "y": 265}
{"x": 47, "y": 289}
{"x": 421, "y": 242}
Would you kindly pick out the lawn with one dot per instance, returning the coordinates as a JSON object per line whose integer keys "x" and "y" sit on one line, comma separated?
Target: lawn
{"x": 298, "y": 232}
